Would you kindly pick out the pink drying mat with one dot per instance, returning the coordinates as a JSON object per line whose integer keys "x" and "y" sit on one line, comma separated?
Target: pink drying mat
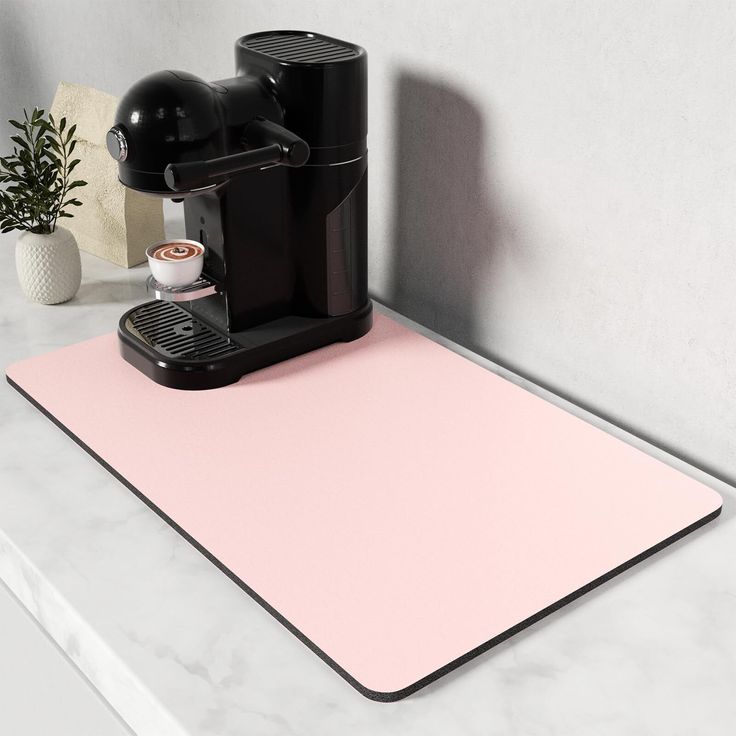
{"x": 397, "y": 507}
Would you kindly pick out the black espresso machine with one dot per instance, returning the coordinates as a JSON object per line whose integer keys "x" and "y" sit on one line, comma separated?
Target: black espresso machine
{"x": 271, "y": 166}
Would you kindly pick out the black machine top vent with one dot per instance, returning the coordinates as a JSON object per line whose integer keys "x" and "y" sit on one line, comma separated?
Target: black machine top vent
{"x": 175, "y": 333}
{"x": 301, "y": 48}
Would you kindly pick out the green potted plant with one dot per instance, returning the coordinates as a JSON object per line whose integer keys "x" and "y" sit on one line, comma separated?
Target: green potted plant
{"x": 36, "y": 191}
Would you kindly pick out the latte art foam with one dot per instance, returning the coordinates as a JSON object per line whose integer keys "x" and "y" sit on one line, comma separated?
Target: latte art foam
{"x": 176, "y": 251}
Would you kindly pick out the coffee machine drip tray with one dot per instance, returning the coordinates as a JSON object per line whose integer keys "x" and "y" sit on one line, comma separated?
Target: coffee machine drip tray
{"x": 176, "y": 334}
{"x": 179, "y": 349}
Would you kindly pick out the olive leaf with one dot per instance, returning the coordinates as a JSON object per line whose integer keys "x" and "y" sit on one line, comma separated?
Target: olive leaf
{"x": 36, "y": 175}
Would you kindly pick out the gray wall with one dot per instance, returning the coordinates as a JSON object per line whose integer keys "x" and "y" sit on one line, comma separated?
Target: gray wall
{"x": 552, "y": 183}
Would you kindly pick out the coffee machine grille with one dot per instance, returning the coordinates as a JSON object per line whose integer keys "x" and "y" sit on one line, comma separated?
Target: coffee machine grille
{"x": 175, "y": 333}
{"x": 301, "y": 48}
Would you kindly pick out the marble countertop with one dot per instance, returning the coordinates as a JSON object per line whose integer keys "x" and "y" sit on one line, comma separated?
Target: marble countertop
{"x": 178, "y": 649}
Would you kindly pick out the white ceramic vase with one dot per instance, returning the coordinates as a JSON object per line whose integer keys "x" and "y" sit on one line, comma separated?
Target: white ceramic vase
{"x": 49, "y": 267}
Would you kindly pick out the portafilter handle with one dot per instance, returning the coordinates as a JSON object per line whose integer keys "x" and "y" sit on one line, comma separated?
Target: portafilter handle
{"x": 268, "y": 143}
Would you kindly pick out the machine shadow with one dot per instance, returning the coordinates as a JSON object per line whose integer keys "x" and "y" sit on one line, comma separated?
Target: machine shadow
{"x": 451, "y": 231}
{"x": 446, "y": 224}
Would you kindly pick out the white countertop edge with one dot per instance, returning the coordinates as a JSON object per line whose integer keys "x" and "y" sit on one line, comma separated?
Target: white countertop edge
{"x": 98, "y": 662}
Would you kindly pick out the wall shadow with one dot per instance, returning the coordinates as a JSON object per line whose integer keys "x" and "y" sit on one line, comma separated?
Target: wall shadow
{"x": 446, "y": 225}
{"x": 450, "y": 230}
